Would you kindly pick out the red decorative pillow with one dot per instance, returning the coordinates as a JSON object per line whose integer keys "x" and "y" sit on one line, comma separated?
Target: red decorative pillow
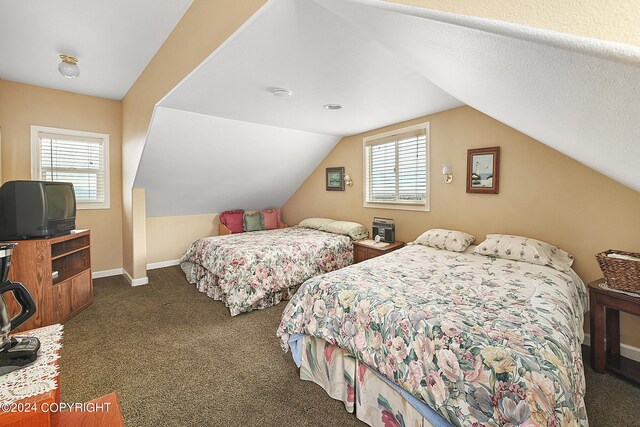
{"x": 233, "y": 220}
{"x": 271, "y": 218}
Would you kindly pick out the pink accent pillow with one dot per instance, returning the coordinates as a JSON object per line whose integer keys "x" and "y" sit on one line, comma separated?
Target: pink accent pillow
{"x": 233, "y": 220}
{"x": 271, "y": 218}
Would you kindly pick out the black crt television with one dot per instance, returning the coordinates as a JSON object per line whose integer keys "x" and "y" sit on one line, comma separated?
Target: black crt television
{"x": 30, "y": 209}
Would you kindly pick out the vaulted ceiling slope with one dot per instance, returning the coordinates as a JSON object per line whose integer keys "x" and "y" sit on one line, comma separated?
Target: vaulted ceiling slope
{"x": 303, "y": 47}
{"x": 213, "y": 164}
{"x": 576, "y": 95}
{"x": 293, "y": 44}
{"x": 114, "y": 41}
{"x": 384, "y": 63}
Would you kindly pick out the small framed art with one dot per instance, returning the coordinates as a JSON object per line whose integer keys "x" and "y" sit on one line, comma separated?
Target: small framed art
{"x": 335, "y": 179}
{"x": 483, "y": 170}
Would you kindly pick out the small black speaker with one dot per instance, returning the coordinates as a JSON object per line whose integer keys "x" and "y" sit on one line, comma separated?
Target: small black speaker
{"x": 389, "y": 235}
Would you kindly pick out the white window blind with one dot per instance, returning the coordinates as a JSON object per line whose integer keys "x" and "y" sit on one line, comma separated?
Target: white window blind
{"x": 396, "y": 168}
{"x": 76, "y": 157}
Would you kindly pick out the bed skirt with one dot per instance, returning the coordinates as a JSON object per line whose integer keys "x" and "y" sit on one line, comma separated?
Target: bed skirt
{"x": 207, "y": 283}
{"x": 360, "y": 388}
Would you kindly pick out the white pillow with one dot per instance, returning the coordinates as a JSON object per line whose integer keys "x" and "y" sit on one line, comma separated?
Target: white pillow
{"x": 352, "y": 229}
{"x": 315, "y": 223}
{"x": 520, "y": 248}
{"x": 449, "y": 240}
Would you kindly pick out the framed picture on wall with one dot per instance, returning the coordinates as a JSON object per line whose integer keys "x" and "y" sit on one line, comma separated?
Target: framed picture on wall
{"x": 335, "y": 179}
{"x": 483, "y": 170}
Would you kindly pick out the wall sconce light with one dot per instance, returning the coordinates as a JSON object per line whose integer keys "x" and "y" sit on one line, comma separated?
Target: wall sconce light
{"x": 348, "y": 181}
{"x": 448, "y": 175}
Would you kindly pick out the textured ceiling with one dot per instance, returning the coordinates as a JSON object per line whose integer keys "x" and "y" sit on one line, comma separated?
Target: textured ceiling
{"x": 384, "y": 63}
{"x": 210, "y": 164}
{"x": 576, "y": 95}
{"x": 301, "y": 46}
{"x": 612, "y": 20}
{"x": 228, "y": 114}
{"x": 114, "y": 41}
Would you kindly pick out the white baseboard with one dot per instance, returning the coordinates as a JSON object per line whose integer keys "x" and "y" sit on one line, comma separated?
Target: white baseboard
{"x": 107, "y": 273}
{"x": 135, "y": 282}
{"x": 162, "y": 264}
{"x": 627, "y": 351}
{"x": 121, "y": 271}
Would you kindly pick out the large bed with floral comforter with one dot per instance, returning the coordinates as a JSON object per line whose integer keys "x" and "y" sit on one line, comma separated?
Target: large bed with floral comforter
{"x": 480, "y": 340}
{"x": 249, "y": 271}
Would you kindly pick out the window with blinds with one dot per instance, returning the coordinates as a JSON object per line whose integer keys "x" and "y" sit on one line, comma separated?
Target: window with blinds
{"x": 73, "y": 156}
{"x": 396, "y": 168}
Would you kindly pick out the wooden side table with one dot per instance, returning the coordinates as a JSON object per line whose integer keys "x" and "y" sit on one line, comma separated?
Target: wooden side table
{"x": 45, "y": 410}
{"x": 28, "y": 411}
{"x": 363, "y": 251}
{"x": 605, "y": 323}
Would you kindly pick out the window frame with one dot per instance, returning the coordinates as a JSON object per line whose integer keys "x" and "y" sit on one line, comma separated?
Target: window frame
{"x": 426, "y": 207}
{"x": 36, "y": 160}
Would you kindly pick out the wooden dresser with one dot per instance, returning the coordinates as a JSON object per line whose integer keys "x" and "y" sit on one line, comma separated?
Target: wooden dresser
{"x": 57, "y": 272}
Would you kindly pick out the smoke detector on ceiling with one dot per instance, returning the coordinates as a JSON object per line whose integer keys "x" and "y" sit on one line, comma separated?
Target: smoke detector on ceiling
{"x": 332, "y": 106}
{"x": 282, "y": 93}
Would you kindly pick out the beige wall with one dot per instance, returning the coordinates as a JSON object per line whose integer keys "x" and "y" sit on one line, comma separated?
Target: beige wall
{"x": 200, "y": 31}
{"x": 23, "y": 105}
{"x": 543, "y": 194}
{"x": 612, "y": 20}
{"x": 180, "y": 231}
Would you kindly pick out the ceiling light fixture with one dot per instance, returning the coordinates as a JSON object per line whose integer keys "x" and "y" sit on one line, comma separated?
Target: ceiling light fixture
{"x": 68, "y": 67}
{"x": 332, "y": 106}
{"x": 282, "y": 93}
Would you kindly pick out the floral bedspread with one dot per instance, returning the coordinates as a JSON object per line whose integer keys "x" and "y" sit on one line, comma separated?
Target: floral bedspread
{"x": 249, "y": 271}
{"x": 483, "y": 341}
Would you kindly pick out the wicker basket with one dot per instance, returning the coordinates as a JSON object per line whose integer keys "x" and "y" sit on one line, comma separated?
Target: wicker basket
{"x": 621, "y": 274}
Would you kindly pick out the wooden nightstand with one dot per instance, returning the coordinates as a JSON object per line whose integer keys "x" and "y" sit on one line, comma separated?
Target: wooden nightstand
{"x": 363, "y": 251}
{"x": 604, "y": 301}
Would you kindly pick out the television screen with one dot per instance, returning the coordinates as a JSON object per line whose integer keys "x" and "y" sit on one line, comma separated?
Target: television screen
{"x": 60, "y": 201}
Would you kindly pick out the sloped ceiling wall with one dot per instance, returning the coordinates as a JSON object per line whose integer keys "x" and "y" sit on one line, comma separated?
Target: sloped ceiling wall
{"x": 384, "y": 63}
{"x": 215, "y": 164}
{"x": 301, "y": 46}
{"x": 576, "y": 95}
{"x": 231, "y": 125}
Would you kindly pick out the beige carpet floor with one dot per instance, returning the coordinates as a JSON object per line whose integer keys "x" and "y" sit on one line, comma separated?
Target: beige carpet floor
{"x": 176, "y": 358}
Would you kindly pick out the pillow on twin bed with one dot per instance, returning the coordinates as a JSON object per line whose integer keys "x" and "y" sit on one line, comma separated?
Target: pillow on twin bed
{"x": 253, "y": 221}
{"x": 233, "y": 220}
{"x": 271, "y": 218}
{"x": 315, "y": 223}
{"x": 520, "y": 248}
{"x": 352, "y": 229}
{"x": 449, "y": 240}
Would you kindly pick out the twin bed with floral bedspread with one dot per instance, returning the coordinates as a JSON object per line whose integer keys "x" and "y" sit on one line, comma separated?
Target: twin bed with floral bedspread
{"x": 467, "y": 339}
{"x": 249, "y": 271}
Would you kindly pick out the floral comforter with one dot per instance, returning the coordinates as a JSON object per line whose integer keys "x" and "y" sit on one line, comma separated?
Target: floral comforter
{"x": 249, "y": 271}
{"x": 483, "y": 341}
